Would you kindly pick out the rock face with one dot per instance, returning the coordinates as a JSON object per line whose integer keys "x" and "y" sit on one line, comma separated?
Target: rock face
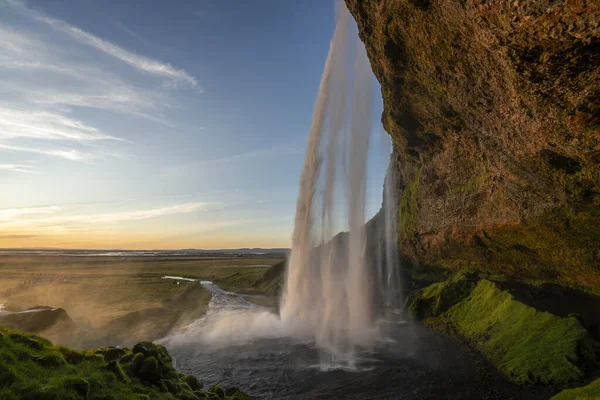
{"x": 494, "y": 110}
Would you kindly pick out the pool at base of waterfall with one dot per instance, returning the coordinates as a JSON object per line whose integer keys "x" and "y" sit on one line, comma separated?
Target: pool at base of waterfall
{"x": 240, "y": 344}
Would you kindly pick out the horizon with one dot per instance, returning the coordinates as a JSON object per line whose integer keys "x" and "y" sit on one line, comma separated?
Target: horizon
{"x": 123, "y": 131}
{"x": 273, "y": 249}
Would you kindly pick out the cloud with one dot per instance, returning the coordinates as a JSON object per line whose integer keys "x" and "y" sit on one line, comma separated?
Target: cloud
{"x": 58, "y": 219}
{"x": 18, "y": 168}
{"x": 10, "y": 236}
{"x": 132, "y": 33}
{"x": 111, "y": 218}
{"x": 12, "y": 214}
{"x": 67, "y": 154}
{"x": 135, "y": 60}
{"x": 40, "y": 63}
{"x": 45, "y": 125}
{"x": 259, "y": 154}
{"x": 43, "y": 85}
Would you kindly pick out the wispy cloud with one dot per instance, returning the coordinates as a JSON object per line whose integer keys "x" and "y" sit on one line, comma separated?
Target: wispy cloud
{"x": 12, "y": 214}
{"x": 111, "y": 218}
{"x": 87, "y": 85}
{"x": 67, "y": 154}
{"x": 45, "y": 125}
{"x": 17, "y": 236}
{"x": 132, "y": 33}
{"x": 18, "y": 168}
{"x": 258, "y": 154}
{"x": 43, "y": 85}
{"x": 57, "y": 218}
{"x": 27, "y": 169}
{"x": 135, "y": 60}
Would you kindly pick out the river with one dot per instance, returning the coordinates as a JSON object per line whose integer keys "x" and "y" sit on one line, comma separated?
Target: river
{"x": 241, "y": 344}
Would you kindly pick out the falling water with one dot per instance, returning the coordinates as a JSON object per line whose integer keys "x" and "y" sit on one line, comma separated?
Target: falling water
{"x": 329, "y": 286}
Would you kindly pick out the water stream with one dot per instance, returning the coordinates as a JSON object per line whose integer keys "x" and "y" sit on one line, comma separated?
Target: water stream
{"x": 244, "y": 345}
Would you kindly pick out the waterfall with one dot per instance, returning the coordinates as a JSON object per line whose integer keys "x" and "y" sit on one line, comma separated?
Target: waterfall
{"x": 330, "y": 292}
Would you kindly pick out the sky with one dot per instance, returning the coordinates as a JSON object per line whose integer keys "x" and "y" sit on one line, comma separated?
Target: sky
{"x": 157, "y": 125}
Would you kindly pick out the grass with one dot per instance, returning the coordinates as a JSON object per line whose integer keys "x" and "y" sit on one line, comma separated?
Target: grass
{"x": 243, "y": 281}
{"x": 31, "y": 368}
{"x": 117, "y": 298}
{"x": 527, "y": 345}
{"x": 589, "y": 392}
{"x": 261, "y": 285}
{"x": 264, "y": 301}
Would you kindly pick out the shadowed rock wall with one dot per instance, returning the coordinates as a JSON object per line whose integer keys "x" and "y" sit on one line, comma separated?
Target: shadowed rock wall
{"x": 494, "y": 111}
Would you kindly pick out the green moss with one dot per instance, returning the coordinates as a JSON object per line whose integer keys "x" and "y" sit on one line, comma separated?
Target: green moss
{"x": 217, "y": 390}
{"x": 526, "y": 345}
{"x": 409, "y": 208}
{"x": 472, "y": 185}
{"x": 32, "y": 368}
{"x": 427, "y": 275}
{"x": 562, "y": 246}
{"x": 589, "y": 392}
{"x": 439, "y": 297}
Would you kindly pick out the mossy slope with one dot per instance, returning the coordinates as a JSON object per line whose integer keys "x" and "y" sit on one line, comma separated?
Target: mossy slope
{"x": 589, "y": 392}
{"x": 527, "y": 345}
{"x": 31, "y": 368}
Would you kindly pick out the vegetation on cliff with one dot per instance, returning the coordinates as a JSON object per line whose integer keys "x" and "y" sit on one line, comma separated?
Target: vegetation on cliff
{"x": 31, "y": 368}
{"x": 589, "y": 392}
{"x": 527, "y": 345}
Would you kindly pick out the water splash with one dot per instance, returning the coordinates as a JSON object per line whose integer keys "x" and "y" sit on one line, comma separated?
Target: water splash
{"x": 328, "y": 288}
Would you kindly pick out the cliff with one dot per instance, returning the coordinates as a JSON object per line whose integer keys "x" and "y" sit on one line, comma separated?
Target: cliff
{"x": 494, "y": 111}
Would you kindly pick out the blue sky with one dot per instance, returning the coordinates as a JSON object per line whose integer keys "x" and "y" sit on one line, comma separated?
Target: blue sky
{"x": 157, "y": 124}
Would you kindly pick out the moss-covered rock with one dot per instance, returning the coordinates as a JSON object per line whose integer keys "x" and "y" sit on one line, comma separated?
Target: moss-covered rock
{"x": 217, "y": 390}
{"x": 527, "y": 345}
{"x": 439, "y": 297}
{"x": 32, "y": 368}
{"x": 192, "y": 382}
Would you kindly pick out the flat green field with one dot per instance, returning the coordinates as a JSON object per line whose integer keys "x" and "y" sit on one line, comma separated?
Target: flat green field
{"x": 122, "y": 298}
